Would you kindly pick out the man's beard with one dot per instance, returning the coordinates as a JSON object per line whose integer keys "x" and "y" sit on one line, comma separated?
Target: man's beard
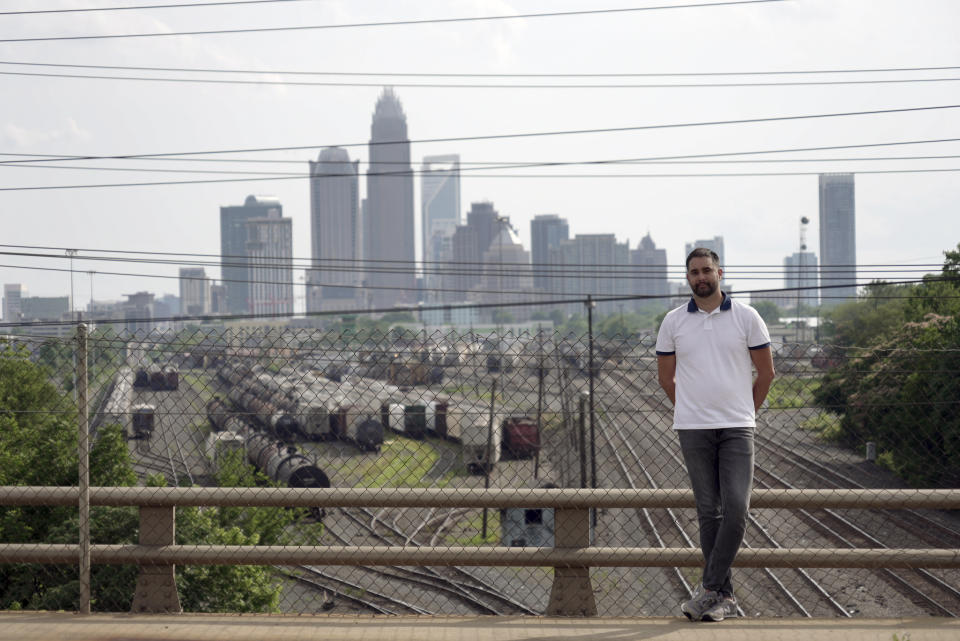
{"x": 704, "y": 290}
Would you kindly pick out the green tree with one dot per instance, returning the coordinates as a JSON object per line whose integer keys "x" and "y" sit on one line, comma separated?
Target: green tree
{"x": 38, "y": 446}
{"x": 897, "y": 350}
{"x": 769, "y": 311}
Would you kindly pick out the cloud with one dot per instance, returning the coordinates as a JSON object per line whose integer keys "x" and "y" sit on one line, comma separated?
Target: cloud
{"x": 24, "y": 137}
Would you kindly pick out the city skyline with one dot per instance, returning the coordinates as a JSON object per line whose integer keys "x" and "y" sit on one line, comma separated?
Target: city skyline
{"x": 755, "y": 206}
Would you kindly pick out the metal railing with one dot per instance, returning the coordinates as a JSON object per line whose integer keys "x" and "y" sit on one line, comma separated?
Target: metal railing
{"x": 571, "y": 557}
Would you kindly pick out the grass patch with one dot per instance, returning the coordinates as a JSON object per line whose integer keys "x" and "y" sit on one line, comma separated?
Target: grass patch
{"x": 825, "y": 424}
{"x": 470, "y": 531}
{"x": 792, "y": 392}
{"x": 402, "y": 463}
{"x": 200, "y": 383}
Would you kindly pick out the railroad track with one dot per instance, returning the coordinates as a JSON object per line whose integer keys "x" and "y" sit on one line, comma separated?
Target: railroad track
{"x": 930, "y": 592}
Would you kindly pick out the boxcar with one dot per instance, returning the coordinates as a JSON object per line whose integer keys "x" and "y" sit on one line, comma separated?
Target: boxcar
{"x": 521, "y": 438}
{"x": 142, "y": 420}
{"x": 480, "y": 439}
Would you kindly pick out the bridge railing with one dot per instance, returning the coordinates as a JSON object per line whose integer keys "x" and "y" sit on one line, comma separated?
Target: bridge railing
{"x": 571, "y": 557}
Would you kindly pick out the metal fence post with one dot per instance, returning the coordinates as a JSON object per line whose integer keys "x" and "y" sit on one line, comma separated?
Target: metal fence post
{"x": 83, "y": 468}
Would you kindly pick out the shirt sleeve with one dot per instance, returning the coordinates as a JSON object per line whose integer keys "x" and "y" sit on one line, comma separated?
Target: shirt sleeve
{"x": 758, "y": 336}
{"x": 665, "y": 341}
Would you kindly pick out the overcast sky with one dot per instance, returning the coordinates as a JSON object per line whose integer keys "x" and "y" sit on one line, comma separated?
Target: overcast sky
{"x": 902, "y": 218}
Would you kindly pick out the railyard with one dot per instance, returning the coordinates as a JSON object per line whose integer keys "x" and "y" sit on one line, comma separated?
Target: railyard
{"x": 631, "y": 447}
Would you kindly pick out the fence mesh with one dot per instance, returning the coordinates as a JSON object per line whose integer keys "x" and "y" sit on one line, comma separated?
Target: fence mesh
{"x": 244, "y": 407}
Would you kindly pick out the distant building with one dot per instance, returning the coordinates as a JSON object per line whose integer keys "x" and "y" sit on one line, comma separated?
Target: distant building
{"x": 547, "y": 231}
{"x": 12, "y": 296}
{"x": 388, "y": 218}
{"x": 234, "y": 266}
{"x": 650, "y": 274}
{"x": 44, "y": 308}
{"x": 218, "y": 299}
{"x": 507, "y": 273}
{"x": 715, "y": 244}
{"x": 440, "y": 215}
{"x": 838, "y": 238}
{"x": 470, "y": 242}
{"x": 138, "y": 313}
{"x": 800, "y": 270}
{"x": 454, "y": 314}
{"x": 194, "y": 291}
{"x": 335, "y": 231}
{"x": 269, "y": 252}
{"x": 598, "y": 265}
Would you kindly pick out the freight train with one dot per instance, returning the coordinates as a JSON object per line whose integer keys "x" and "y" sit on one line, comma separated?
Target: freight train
{"x": 278, "y": 461}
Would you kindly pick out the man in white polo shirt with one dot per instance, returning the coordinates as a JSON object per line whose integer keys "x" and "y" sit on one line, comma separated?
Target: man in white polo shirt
{"x": 706, "y": 352}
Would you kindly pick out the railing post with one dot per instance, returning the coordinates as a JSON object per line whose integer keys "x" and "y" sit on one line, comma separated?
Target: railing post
{"x": 83, "y": 467}
{"x": 156, "y": 588}
{"x": 572, "y": 592}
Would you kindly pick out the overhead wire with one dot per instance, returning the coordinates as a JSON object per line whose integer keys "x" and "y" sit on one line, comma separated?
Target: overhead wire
{"x": 412, "y": 74}
{"x": 190, "y": 5}
{"x": 526, "y": 86}
{"x": 535, "y": 134}
{"x": 438, "y": 306}
{"x": 413, "y": 171}
{"x": 375, "y": 261}
{"x": 391, "y": 23}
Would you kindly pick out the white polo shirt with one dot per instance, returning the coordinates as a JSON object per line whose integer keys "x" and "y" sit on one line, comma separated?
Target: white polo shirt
{"x": 714, "y": 373}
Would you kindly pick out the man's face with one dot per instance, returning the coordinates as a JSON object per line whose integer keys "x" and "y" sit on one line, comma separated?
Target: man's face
{"x": 703, "y": 276}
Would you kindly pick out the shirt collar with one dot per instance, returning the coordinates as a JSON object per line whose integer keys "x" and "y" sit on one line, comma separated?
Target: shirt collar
{"x": 724, "y": 304}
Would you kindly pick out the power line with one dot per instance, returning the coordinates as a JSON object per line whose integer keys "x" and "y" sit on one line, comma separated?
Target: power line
{"x": 604, "y": 271}
{"x": 191, "y": 5}
{"x": 462, "y": 85}
{"x": 418, "y": 262}
{"x": 536, "y": 134}
{"x": 417, "y": 172}
{"x": 444, "y": 306}
{"x": 391, "y": 23}
{"x": 554, "y": 176}
{"x": 390, "y": 74}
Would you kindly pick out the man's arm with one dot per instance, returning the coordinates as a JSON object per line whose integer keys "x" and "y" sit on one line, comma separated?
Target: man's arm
{"x": 763, "y": 360}
{"x": 666, "y": 370}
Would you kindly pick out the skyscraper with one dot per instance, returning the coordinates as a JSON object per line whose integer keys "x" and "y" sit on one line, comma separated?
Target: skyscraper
{"x": 546, "y": 233}
{"x": 389, "y": 218}
{"x": 440, "y": 200}
{"x": 269, "y": 253}
{"x": 592, "y": 265}
{"x": 13, "y": 294}
{"x": 194, "y": 291}
{"x": 650, "y": 278}
{"x": 335, "y": 232}
{"x": 234, "y": 266}
{"x": 838, "y": 238}
{"x": 470, "y": 241}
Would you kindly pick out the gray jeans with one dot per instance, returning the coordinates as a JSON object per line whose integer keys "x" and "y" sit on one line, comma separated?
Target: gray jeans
{"x": 720, "y": 465}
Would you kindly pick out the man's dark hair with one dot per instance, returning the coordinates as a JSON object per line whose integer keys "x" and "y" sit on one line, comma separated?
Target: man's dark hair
{"x": 703, "y": 252}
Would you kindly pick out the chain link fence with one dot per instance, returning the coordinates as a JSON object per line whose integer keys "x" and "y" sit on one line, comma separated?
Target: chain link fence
{"x": 259, "y": 406}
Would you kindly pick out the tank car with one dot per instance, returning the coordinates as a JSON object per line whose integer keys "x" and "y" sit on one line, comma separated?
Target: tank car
{"x": 171, "y": 379}
{"x": 284, "y": 426}
{"x": 217, "y": 413}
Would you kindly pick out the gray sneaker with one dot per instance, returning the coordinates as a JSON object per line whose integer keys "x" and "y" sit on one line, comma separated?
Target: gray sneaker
{"x": 702, "y": 601}
{"x": 725, "y": 609}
